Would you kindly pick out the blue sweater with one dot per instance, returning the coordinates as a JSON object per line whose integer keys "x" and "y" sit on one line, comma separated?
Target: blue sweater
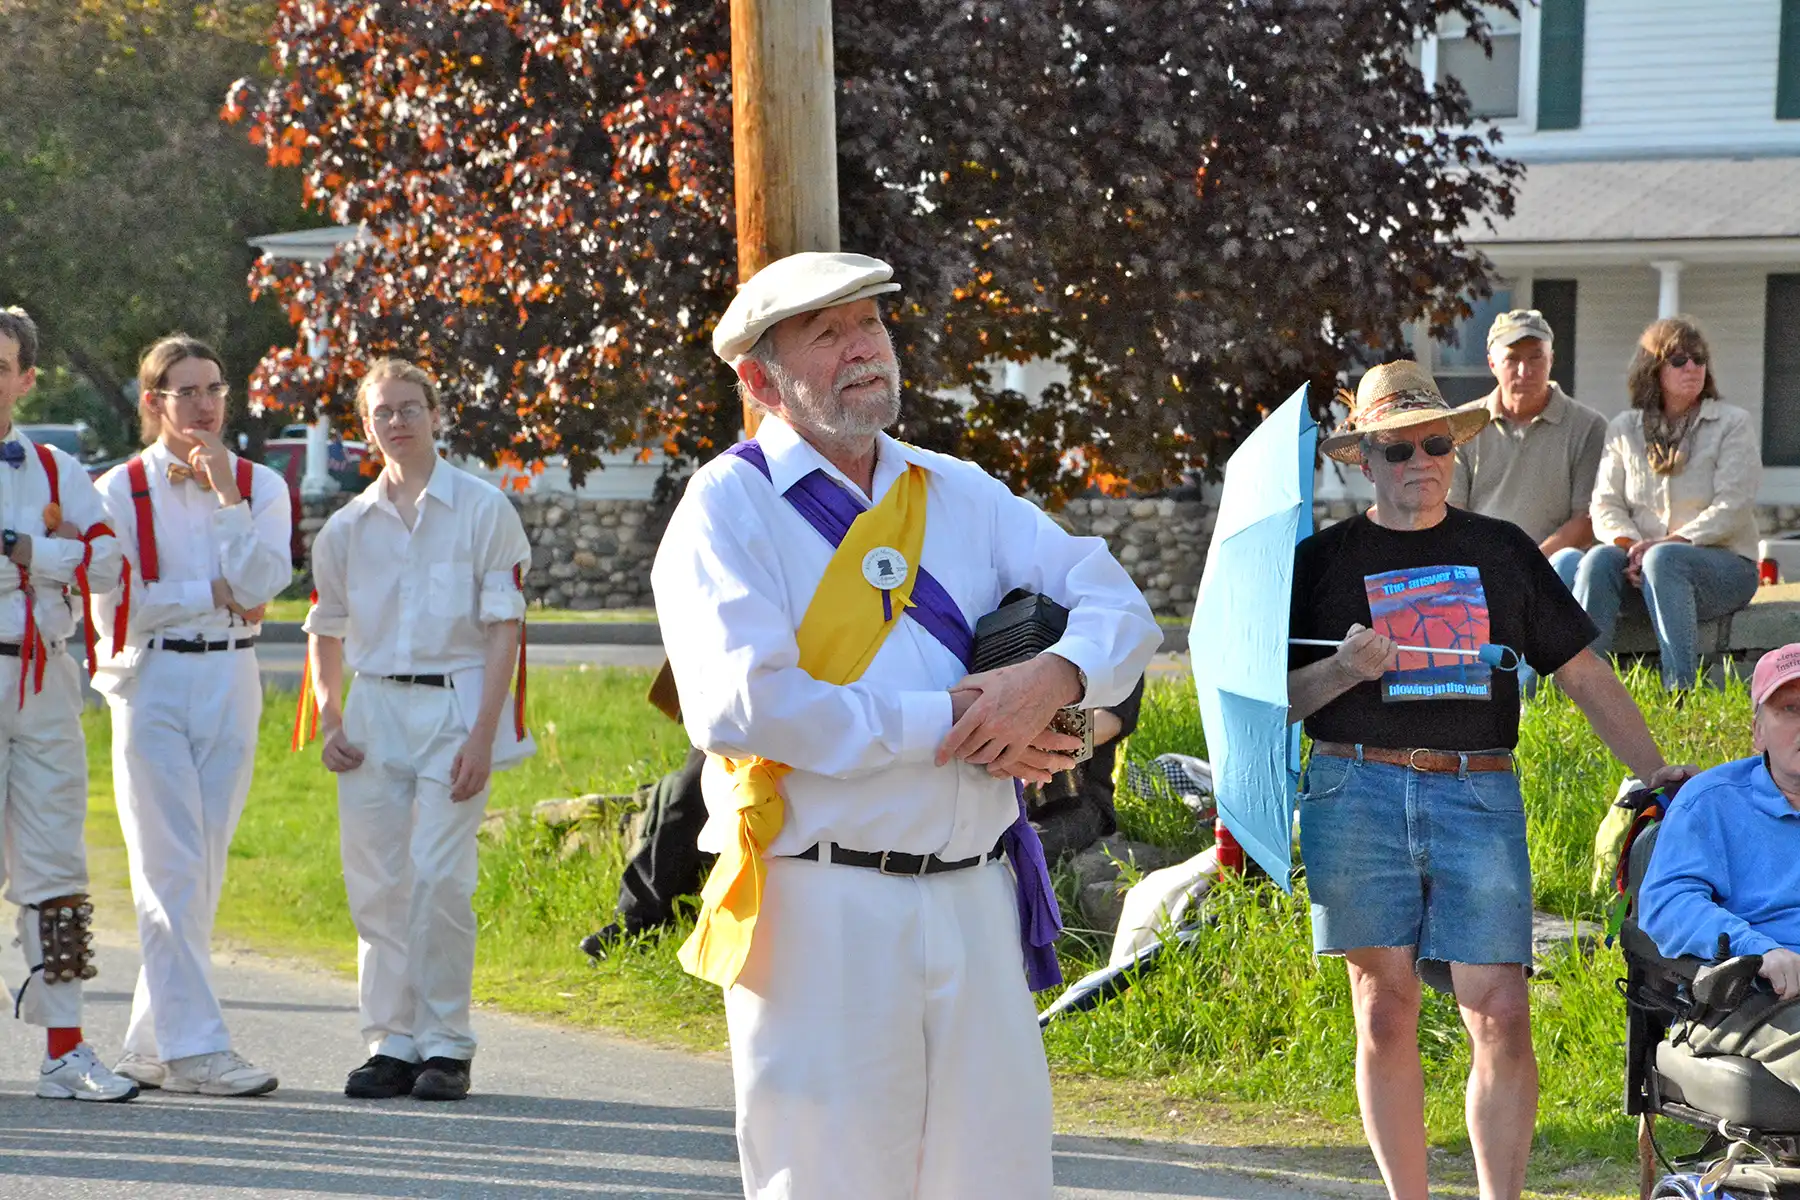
{"x": 1727, "y": 861}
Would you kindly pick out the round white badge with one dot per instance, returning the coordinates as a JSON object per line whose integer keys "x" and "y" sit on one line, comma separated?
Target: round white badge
{"x": 884, "y": 568}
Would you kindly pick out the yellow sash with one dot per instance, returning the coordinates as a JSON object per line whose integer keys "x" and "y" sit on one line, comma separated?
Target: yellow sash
{"x": 844, "y": 626}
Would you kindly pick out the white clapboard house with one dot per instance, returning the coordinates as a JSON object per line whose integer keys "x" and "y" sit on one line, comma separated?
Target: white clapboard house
{"x": 1662, "y": 143}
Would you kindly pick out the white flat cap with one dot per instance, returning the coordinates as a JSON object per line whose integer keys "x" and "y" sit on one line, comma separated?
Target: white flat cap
{"x": 799, "y": 283}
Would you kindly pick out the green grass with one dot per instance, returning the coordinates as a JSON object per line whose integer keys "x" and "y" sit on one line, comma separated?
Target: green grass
{"x": 293, "y": 608}
{"x": 1244, "y": 1032}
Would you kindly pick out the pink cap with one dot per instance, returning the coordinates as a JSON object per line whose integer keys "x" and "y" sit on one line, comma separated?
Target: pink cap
{"x": 1774, "y": 669}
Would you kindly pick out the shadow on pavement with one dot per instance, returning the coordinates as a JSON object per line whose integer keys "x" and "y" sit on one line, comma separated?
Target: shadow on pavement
{"x": 313, "y": 1141}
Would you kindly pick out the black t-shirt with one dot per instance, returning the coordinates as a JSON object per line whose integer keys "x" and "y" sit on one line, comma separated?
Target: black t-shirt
{"x": 1468, "y": 580}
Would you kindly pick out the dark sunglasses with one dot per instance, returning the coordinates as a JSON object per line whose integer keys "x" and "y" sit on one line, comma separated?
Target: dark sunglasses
{"x": 1437, "y": 445}
{"x": 1682, "y": 360}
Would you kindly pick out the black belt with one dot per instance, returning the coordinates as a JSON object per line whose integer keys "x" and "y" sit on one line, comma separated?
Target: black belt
{"x": 9, "y": 649}
{"x": 418, "y": 680}
{"x": 201, "y": 645}
{"x": 893, "y": 862}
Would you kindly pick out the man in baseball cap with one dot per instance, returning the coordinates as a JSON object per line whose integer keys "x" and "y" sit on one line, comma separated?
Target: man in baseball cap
{"x": 1534, "y": 464}
{"x": 816, "y": 589}
{"x": 1727, "y": 864}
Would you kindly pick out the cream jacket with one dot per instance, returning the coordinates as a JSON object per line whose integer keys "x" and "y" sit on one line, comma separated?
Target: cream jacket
{"x": 1711, "y": 501}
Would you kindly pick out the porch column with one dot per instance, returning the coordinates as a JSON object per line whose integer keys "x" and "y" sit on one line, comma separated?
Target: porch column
{"x": 315, "y": 479}
{"x": 1668, "y": 298}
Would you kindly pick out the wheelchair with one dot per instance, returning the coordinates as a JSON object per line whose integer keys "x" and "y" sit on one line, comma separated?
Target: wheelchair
{"x": 1751, "y": 1118}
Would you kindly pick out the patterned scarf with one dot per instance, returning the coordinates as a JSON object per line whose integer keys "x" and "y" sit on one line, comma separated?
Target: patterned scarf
{"x": 1666, "y": 441}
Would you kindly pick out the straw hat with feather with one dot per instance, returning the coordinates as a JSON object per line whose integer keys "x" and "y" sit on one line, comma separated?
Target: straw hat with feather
{"x": 1393, "y": 396}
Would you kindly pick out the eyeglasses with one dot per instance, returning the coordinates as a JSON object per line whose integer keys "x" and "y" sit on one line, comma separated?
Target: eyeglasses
{"x": 1682, "y": 360}
{"x": 1437, "y": 445}
{"x": 409, "y": 412}
{"x": 212, "y": 391}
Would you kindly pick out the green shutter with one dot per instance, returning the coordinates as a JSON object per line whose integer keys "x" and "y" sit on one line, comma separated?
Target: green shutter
{"x": 1562, "y": 25}
{"x": 1787, "y": 69}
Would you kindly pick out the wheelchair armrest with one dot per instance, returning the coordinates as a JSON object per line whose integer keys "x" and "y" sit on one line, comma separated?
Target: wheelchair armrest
{"x": 1721, "y": 986}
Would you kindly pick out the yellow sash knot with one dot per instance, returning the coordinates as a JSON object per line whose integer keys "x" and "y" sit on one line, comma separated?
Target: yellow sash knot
{"x": 845, "y": 624}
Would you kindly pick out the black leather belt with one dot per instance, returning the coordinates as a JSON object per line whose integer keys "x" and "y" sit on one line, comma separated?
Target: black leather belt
{"x": 893, "y": 862}
{"x": 200, "y": 645}
{"x": 418, "y": 680}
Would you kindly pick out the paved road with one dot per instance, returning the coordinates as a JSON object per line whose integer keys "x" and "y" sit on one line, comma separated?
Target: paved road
{"x": 557, "y": 1113}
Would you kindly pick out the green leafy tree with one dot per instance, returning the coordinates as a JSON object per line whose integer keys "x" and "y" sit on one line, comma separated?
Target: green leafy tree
{"x": 1191, "y": 208}
{"x": 125, "y": 203}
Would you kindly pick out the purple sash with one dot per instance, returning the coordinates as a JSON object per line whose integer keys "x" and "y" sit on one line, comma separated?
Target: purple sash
{"x": 830, "y": 510}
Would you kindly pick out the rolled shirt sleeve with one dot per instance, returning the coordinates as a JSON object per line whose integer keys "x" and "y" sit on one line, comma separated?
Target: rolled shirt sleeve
{"x": 329, "y": 615}
{"x": 732, "y": 644}
{"x": 503, "y": 556}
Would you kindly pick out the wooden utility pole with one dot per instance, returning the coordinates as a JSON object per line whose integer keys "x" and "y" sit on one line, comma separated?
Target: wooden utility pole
{"x": 784, "y": 133}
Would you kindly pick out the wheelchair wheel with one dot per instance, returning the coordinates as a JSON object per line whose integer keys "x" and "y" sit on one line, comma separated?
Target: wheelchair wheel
{"x": 1684, "y": 1186}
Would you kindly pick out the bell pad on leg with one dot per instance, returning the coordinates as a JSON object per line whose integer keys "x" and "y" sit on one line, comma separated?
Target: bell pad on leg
{"x": 66, "y": 935}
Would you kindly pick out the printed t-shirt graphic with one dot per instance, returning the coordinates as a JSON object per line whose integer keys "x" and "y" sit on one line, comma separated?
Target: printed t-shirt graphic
{"x": 1441, "y": 607}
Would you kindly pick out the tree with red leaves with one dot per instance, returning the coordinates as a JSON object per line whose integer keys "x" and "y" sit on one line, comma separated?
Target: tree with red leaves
{"x": 1191, "y": 208}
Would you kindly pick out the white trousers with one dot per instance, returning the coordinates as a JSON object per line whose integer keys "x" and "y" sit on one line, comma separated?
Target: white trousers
{"x": 883, "y": 1042}
{"x": 43, "y": 804}
{"x": 410, "y": 869}
{"x": 184, "y": 750}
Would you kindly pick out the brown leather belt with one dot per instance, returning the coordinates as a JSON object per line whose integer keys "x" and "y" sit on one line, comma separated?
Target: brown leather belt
{"x": 1437, "y": 762}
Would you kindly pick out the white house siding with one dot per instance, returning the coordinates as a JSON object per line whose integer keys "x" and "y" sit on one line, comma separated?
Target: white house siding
{"x": 1663, "y": 78}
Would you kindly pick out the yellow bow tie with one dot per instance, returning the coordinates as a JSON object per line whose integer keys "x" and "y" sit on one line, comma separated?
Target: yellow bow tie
{"x": 180, "y": 473}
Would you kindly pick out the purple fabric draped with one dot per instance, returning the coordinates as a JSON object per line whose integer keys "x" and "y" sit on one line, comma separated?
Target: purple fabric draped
{"x": 830, "y": 510}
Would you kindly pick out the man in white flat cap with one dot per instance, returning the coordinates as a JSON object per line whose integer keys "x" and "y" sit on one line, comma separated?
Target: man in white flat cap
{"x": 816, "y": 589}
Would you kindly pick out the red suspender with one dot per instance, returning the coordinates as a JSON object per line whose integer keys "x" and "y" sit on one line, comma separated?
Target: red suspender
{"x": 519, "y": 689}
{"x": 139, "y": 477}
{"x": 244, "y": 478}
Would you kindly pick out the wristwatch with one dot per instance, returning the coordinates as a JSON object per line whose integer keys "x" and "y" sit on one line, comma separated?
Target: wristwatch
{"x": 8, "y": 540}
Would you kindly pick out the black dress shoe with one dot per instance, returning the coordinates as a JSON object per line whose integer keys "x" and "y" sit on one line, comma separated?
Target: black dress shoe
{"x": 381, "y": 1078}
{"x": 596, "y": 944}
{"x": 442, "y": 1079}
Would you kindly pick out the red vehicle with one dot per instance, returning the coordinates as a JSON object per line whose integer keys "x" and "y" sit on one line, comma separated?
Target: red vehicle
{"x": 287, "y": 458}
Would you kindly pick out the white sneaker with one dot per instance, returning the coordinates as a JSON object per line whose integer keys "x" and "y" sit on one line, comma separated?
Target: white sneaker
{"x": 147, "y": 1072}
{"x": 222, "y": 1073}
{"x": 80, "y": 1075}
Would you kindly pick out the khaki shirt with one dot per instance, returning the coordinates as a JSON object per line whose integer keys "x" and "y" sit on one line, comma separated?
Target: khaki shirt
{"x": 1710, "y": 502}
{"x": 1537, "y": 474}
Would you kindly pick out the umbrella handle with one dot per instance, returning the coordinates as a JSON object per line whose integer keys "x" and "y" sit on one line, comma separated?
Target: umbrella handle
{"x": 1493, "y": 655}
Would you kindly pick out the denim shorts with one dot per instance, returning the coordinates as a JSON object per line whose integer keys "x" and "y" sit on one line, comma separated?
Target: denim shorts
{"x": 1397, "y": 857}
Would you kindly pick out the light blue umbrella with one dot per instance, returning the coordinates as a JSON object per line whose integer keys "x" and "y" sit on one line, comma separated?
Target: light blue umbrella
{"x": 1239, "y": 641}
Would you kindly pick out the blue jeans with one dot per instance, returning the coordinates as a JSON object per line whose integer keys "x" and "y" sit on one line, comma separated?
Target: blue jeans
{"x": 1397, "y": 857}
{"x": 1682, "y": 586}
{"x": 1563, "y": 562}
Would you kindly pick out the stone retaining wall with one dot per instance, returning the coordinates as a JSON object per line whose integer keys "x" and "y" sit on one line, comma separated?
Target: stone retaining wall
{"x": 591, "y": 554}
{"x": 585, "y": 554}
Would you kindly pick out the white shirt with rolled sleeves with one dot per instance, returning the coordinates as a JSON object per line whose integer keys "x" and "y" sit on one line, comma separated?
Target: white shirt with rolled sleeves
{"x": 417, "y": 601}
{"x": 733, "y": 578}
{"x": 198, "y": 540}
{"x": 24, "y": 494}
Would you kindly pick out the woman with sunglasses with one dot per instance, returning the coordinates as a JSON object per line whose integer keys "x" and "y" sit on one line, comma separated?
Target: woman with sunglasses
{"x": 1674, "y": 506}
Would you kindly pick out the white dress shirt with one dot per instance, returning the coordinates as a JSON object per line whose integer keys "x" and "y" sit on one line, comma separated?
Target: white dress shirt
{"x": 24, "y": 494}
{"x": 198, "y": 540}
{"x": 415, "y": 601}
{"x": 733, "y": 578}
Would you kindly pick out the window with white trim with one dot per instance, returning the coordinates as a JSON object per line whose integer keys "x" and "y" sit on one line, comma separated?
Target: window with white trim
{"x": 1495, "y": 83}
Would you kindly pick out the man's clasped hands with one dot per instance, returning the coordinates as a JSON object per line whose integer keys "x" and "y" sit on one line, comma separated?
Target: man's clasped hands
{"x": 1000, "y": 719}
